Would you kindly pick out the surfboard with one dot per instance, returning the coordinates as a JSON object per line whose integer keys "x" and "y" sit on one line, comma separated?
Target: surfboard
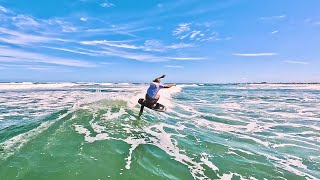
{"x": 159, "y": 107}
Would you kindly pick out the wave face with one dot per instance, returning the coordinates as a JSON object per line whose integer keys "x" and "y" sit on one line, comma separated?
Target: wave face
{"x": 92, "y": 131}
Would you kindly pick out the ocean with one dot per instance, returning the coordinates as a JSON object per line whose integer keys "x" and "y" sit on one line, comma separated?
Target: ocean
{"x": 209, "y": 131}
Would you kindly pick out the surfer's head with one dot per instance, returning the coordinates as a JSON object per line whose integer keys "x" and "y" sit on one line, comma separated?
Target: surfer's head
{"x": 157, "y": 80}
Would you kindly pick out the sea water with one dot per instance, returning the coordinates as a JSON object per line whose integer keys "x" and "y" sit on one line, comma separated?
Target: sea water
{"x": 92, "y": 131}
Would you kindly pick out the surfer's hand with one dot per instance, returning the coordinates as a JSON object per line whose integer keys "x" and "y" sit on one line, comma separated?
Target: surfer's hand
{"x": 163, "y": 76}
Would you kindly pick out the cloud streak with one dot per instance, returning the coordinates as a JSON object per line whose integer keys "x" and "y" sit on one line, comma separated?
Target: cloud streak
{"x": 183, "y": 27}
{"x": 279, "y": 17}
{"x": 149, "y": 45}
{"x": 61, "y": 37}
{"x": 199, "y": 32}
{"x": 107, "y": 4}
{"x": 170, "y": 66}
{"x": 3, "y": 9}
{"x": 187, "y": 58}
{"x": 18, "y": 38}
{"x": 15, "y": 55}
{"x": 297, "y": 62}
{"x": 255, "y": 54}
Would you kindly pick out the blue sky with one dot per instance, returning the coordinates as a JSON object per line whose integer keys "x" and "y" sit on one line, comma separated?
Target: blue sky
{"x": 215, "y": 41}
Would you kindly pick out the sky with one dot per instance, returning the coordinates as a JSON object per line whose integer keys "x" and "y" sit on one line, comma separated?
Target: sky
{"x": 207, "y": 41}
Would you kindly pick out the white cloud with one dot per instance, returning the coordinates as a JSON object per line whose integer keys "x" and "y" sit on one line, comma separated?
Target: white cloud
{"x": 127, "y": 55}
{"x": 105, "y": 63}
{"x": 256, "y": 54}
{"x": 33, "y": 67}
{"x": 170, "y": 66}
{"x": 180, "y": 45}
{"x": 183, "y": 27}
{"x": 110, "y": 43}
{"x": 149, "y": 45}
{"x": 297, "y": 62}
{"x": 194, "y": 34}
{"x": 153, "y": 45}
{"x": 83, "y": 19}
{"x": 106, "y": 4}
{"x": 15, "y": 55}
{"x": 46, "y": 33}
{"x": 25, "y": 21}
{"x": 274, "y": 32}
{"x": 140, "y": 56}
{"x": 17, "y": 38}
{"x": 63, "y": 25}
{"x": 3, "y": 9}
{"x": 283, "y": 16}
{"x": 187, "y": 58}
{"x": 184, "y": 36}
{"x": 200, "y": 32}
{"x": 71, "y": 50}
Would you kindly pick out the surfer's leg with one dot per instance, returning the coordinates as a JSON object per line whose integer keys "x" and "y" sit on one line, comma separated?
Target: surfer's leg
{"x": 154, "y": 102}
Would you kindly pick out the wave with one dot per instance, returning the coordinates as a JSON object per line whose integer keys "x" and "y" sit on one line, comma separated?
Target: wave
{"x": 208, "y": 130}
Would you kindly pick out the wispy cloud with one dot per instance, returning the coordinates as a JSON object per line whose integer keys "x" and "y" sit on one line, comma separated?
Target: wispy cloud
{"x": 274, "y": 32}
{"x": 3, "y": 9}
{"x": 105, "y": 63}
{"x": 144, "y": 57}
{"x": 153, "y": 45}
{"x": 255, "y": 54}
{"x": 171, "y": 66}
{"x": 18, "y": 38}
{"x": 63, "y": 25}
{"x": 196, "y": 32}
{"x": 62, "y": 36}
{"x": 31, "y": 67}
{"x": 183, "y": 27}
{"x": 180, "y": 45}
{"x": 187, "y": 58}
{"x": 149, "y": 45}
{"x": 297, "y": 62}
{"x": 25, "y": 21}
{"x": 71, "y": 50}
{"x": 107, "y": 4}
{"x": 111, "y": 44}
{"x": 15, "y": 55}
{"x": 279, "y": 17}
{"x": 83, "y": 19}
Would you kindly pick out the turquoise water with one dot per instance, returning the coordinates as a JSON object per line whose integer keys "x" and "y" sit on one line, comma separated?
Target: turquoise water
{"x": 91, "y": 131}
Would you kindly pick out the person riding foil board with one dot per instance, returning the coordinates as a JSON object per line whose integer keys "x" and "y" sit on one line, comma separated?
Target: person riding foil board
{"x": 152, "y": 95}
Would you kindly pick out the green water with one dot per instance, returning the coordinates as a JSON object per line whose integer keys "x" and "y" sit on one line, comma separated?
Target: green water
{"x": 235, "y": 133}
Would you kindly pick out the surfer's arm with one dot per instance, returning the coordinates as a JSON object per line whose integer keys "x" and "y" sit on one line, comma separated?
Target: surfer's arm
{"x": 169, "y": 85}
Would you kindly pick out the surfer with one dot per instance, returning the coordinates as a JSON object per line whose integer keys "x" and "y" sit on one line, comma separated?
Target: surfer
{"x": 152, "y": 95}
